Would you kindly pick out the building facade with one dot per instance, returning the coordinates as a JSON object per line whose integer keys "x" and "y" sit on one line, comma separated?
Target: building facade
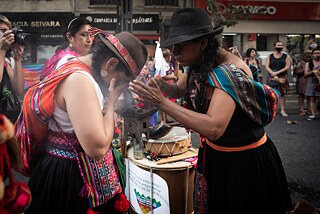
{"x": 263, "y": 21}
{"x": 47, "y": 20}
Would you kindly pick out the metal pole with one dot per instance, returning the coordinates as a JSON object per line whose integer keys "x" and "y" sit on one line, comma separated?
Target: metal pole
{"x": 121, "y": 15}
{"x": 131, "y": 16}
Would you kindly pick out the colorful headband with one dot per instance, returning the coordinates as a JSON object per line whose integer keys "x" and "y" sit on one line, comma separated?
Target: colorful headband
{"x": 124, "y": 53}
{"x": 121, "y": 49}
{"x": 95, "y": 31}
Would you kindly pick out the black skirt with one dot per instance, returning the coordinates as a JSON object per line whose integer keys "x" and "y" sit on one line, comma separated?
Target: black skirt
{"x": 55, "y": 186}
{"x": 249, "y": 182}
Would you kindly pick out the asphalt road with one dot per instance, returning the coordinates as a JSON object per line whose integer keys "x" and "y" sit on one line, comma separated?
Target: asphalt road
{"x": 299, "y": 148}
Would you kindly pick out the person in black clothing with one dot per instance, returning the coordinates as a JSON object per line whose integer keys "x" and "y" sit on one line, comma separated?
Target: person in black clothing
{"x": 240, "y": 164}
{"x": 277, "y": 66}
{"x": 11, "y": 75}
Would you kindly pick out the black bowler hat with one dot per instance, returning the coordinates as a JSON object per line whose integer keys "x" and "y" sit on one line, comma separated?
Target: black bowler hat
{"x": 187, "y": 24}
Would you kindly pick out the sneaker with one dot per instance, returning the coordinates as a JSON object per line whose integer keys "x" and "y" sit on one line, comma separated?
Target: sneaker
{"x": 310, "y": 118}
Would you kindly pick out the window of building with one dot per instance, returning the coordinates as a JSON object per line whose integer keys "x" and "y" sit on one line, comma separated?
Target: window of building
{"x": 161, "y": 2}
{"x": 104, "y": 2}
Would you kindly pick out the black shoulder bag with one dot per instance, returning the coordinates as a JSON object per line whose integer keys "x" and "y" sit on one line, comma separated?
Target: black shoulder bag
{"x": 9, "y": 102}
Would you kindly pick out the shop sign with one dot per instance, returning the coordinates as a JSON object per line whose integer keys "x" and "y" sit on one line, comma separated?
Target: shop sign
{"x": 42, "y": 26}
{"x": 41, "y": 22}
{"x": 258, "y": 10}
{"x": 141, "y": 22}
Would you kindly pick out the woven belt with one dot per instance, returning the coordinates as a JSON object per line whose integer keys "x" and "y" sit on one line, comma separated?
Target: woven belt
{"x": 240, "y": 148}
{"x": 61, "y": 153}
{"x": 57, "y": 145}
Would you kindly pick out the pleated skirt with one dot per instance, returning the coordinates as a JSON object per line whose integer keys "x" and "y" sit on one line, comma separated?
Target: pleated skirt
{"x": 249, "y": 182}
{"x": 55, "y": 186}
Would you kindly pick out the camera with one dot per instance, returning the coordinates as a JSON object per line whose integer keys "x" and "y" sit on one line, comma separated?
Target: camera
{"x": 22, "y": 38}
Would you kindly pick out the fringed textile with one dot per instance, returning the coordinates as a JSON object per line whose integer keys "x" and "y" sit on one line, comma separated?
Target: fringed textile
{"x": 31, "y": 126}
{"x": 258, "y": 101}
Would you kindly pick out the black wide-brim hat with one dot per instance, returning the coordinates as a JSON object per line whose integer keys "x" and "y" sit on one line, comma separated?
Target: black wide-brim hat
{"x": 128, "y": 49}
{"x": 187, "y": 24}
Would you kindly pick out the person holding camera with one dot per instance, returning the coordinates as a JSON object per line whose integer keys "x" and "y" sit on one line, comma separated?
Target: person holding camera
{"x": 11, "y": 75}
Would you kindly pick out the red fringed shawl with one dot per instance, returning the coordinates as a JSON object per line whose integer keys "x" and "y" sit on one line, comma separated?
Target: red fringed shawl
{"x": 32, "y": 124}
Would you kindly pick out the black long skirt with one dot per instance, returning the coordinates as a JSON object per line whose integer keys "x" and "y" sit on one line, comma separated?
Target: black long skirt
{"x": 248, "y": 182}
{"x": 55, "y": 186}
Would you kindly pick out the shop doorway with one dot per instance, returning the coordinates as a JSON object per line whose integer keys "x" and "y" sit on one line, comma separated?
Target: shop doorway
{"x": 262, "y": 43}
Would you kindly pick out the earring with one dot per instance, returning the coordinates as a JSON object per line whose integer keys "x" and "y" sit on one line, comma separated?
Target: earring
{"x": 104, "y": 73}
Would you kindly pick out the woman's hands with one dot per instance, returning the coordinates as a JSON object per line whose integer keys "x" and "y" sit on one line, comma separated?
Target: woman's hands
{"x": 116, "y": 91}
{"x": 6, "y": 40}
{"x": 150, "y": 92}
{"x": 17, "y": 51}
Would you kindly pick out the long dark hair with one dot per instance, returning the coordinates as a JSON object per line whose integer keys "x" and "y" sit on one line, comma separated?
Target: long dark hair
{"x": 210, "y": 59}
{"x": 248, "y": 52}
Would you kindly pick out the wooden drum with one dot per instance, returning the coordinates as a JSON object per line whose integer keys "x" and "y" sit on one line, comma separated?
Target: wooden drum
{"x": 177, "y": 141}
{"x": 179, "y": 179}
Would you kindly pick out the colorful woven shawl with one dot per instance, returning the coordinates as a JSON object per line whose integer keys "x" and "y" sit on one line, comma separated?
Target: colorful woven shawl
{"x": 51, "y": 64}
{"x": 31, "y": 126}
{"x": 258, "y": 101}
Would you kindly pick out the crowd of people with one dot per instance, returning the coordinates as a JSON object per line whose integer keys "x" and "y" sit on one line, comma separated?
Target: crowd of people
{"x": 67, "y": 131}
{"x": 278, "y": 65}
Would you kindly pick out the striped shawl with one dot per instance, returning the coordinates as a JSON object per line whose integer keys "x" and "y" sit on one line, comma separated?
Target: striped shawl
{"x": 258, "y": 101}
{"x": 31, "y": 126}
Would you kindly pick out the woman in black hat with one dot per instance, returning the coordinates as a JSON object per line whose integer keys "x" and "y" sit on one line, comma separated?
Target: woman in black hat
{"x": 241, "y": 165}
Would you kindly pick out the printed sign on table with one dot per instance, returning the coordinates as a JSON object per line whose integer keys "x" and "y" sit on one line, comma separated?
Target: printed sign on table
{"x": 138, "y": 190}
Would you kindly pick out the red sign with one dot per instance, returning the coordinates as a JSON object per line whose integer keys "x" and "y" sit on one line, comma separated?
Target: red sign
{"x": 258, "y": 10}
{"x": 252, "y": 37}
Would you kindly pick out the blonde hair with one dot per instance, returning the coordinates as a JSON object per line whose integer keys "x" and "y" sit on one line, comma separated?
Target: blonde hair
{"x": 5, "y": 20}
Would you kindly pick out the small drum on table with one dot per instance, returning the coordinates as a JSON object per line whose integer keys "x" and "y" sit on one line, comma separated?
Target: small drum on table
{"x": 165, "y": 188}
{"x": 177, "y": 141}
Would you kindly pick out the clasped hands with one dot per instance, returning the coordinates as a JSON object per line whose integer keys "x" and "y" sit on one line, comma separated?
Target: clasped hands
{"x": 316, "y": 72}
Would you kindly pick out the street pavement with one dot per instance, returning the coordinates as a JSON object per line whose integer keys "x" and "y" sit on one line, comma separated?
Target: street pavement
{"x": 299, "y": 148}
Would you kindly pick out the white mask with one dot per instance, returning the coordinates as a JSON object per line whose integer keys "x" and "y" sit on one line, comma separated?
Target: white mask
{"x": 313, "y": 45}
